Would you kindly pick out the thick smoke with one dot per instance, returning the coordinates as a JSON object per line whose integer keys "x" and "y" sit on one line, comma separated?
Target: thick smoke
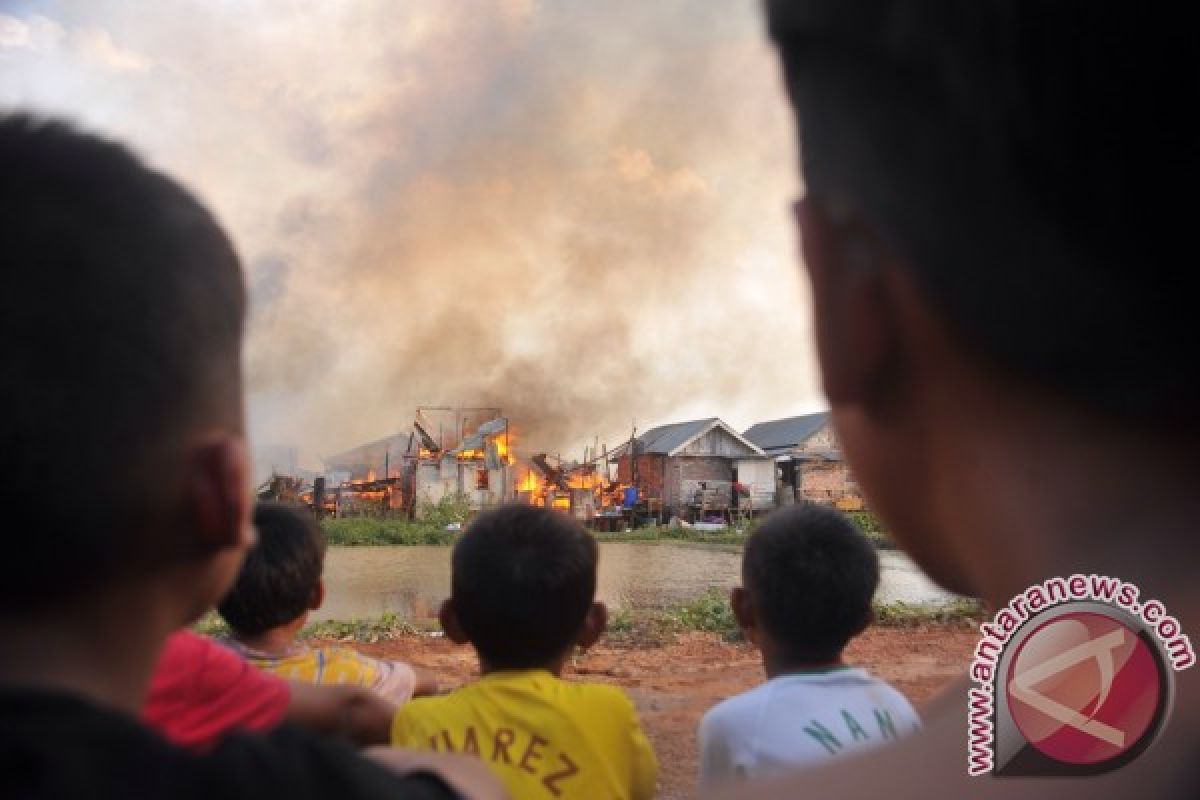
{"x": 572, "y": 210}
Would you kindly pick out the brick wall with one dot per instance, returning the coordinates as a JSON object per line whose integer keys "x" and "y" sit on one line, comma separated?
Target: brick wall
{"x": 828, "y": 483}
{"x": 649, "y": 473}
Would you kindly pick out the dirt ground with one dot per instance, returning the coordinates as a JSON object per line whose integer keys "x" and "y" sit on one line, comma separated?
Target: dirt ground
{"x": 674, "y": 684}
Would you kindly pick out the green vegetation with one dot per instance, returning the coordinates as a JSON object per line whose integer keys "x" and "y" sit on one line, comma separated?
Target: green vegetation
{"x": 372, "y": 531}
{"x": 665, "y": 533}
{"x": 965, "y": 612}
{"x": 709, "y": 613}
{"x": 389, "y": 626}
{"x": 873, "y": 528}
{"x": 430, "y": 528}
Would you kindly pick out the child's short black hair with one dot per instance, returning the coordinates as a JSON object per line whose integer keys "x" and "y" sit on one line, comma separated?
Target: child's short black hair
{"x": 1024, "y": 161}
{"x": 281, "y": 573}
{"x": 122, "y": 319}
{"x": 524, "y": 579}
{"x": 811, "y": 575}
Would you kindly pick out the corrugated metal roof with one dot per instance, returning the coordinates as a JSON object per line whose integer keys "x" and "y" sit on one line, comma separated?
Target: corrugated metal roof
{"x": 665, "y": 438}
{"x": 818, "y": 455}
{"x": 396, "y": 443}
{"x": 780, "y": 434}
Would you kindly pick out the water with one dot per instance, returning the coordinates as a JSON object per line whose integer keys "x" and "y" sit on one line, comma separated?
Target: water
{"x": 365, "y": 582}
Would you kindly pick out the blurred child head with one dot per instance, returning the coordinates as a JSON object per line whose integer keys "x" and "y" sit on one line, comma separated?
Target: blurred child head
{"x": 280, "y": 581}
{"x": 524, "y": 580}
{"x": 124, "y": 307}
{"x": 808, "y": 577}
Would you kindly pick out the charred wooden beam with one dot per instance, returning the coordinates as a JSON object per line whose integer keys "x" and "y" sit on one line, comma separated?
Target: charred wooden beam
{"x": 551, "y": 474}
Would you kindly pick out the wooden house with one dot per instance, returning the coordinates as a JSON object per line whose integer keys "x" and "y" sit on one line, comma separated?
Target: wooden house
{"x": 689, "y": 469}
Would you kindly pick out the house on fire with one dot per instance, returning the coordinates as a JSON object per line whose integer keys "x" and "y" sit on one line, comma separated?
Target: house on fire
{"x": 689, "y": 469}
{"x": 377, "y": 460}
{"x": 809, "y": 460}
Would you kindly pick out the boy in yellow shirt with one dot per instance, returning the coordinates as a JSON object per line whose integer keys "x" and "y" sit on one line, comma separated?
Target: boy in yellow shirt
{"x": 279, "y": 584}
{"x": 523, "y": 589}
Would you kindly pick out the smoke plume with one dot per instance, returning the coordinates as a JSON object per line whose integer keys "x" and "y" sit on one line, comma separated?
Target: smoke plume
{"x": 575, "y": 211}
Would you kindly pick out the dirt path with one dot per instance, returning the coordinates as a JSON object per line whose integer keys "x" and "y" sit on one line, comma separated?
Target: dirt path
{"x": 674, "y": 684}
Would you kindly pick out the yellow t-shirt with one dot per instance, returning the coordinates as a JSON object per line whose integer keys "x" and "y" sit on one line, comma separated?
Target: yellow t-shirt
{"x": 544, "y": 737}
{"x": 336, "y": 665}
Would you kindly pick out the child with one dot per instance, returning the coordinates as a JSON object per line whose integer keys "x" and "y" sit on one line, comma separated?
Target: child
{"x": 279, "y": 584}
{"x": 124, "y": 316}
{"x": 809, "y": 576}
{"x": 523, "y": 584}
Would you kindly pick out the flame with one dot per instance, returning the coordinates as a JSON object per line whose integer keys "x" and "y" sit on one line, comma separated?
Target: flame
{"x": 502, "y": 444}
{"x": 585, "y": 481}
{"x": 562, "y": 502}
{"x": 530, "y": 483}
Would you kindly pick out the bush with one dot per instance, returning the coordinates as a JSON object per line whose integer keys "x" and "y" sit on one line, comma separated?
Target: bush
{"x": 450, "y": 509}
{"x": 367, "y": 531}
{"x": 711, "y": 613}
{"x": 965, "y": 612}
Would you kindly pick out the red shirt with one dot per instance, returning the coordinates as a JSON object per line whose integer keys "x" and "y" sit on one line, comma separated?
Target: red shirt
{"x": 201, "y": 691}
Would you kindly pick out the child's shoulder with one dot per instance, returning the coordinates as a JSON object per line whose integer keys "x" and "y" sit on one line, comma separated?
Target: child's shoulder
{"x": 337, "y": 652}
{"x": 747, "y": 703}
{"x": 418, "y": 710}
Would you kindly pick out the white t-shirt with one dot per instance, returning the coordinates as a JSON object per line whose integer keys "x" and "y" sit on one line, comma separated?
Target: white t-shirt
{"x": 800, "y": 720}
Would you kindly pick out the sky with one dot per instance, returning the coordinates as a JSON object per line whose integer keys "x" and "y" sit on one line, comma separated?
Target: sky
{"x": 575, "y": 211}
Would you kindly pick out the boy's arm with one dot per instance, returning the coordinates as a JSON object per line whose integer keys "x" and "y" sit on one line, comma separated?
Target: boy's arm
{"x": 400, "y": 680}
{"x": 427, "y": 683}
{"x": 360, "y": 715}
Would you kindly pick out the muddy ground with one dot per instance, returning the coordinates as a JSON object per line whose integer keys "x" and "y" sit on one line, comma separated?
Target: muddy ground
{"x": 672, "y": 684}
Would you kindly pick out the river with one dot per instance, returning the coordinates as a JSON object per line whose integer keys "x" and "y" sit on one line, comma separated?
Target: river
{"x": 365, "y": 582}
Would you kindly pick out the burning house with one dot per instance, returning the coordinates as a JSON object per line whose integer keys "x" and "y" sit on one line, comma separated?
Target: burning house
{"x": 581, "y": 488}
{"x": 463, "y": 452}
{"x": 467, "y": 453}
{"x": 691, "y": 469}
{"x": 382, "y": 458}
{"x": 809, "y": 460}
{"x": 373, "y": 479}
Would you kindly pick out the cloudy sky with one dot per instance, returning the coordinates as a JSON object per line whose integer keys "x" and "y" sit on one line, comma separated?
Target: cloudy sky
{"x": 574, "y": 210}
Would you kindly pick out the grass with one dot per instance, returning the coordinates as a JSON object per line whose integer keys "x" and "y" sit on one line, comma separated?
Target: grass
{"x": 645, "y": 627}
{"x": 374, "y": 532}
{"x": 711, "y": 613}
{"x": 664, "y": 533}
{"x": 431, "y": 530}
{"x": 388, "y": 626}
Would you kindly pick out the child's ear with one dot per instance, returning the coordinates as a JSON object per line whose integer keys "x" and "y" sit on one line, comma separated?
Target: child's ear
{"x": 450, "y": 624}
{"x": 594, "y": 625}
{"x": 743, "y": 612}
{"x": 218, "y": 499}
{"x": 318, "y": 598}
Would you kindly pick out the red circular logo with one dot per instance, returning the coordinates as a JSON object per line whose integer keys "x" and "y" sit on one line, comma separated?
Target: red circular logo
{"x": 1084, "y": 688}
